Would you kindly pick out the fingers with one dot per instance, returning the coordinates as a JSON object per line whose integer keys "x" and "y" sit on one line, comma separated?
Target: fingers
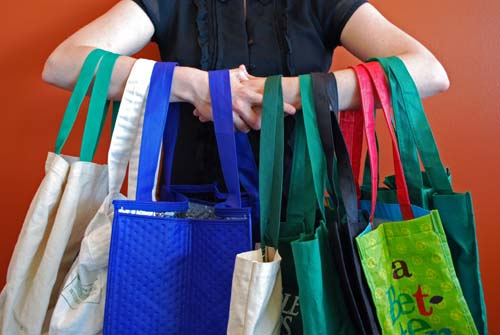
{"x": 289, "y": 109}
{"x": 239, "y": 123}
{"x": 250, "y": 116}
{"x": 240, "y": 73}
{"x": 200, "y": 117}
{"x": 245, "y": 104}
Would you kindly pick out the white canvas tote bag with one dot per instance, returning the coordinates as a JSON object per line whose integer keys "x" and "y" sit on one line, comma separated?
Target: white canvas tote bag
{"x": 67, "y": 199}
{"x": 256, "y": 294}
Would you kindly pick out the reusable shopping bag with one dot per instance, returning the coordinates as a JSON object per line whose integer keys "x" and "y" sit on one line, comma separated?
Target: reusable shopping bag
{"x": 323, "y": 307}
{"x": 404, "y": 251}
{"x": 67, "y": 199}
{"x": 256, "y": 293}
{"x": 347, "y": 222}
{"x": 171, "y": 262}
{"x": 80, "y": 305}
{"x": 432, "y": 188}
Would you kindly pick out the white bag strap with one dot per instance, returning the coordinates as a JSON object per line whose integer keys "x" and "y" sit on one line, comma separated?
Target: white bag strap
{"x": 128, "y": 126}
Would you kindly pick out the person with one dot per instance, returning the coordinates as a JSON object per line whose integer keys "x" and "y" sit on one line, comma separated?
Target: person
{"x": 254, "y": 38}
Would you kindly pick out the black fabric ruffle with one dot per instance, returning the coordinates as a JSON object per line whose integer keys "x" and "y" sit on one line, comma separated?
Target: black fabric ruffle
{"x": 286, "y": 45}
{"x": 203, "y": 24}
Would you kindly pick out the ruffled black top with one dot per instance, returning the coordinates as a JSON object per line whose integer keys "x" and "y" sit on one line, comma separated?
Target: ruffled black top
{"x": 288, "y": 37}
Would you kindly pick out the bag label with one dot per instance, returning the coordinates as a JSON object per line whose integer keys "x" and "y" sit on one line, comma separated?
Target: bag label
{"x": 76, "y": 293}
{"x": 290, "y": 314}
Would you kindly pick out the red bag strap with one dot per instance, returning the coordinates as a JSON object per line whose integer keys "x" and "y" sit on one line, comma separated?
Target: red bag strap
{"x": 368, "y": 110}
{"x": 377, "y": 75}
{"x": 352, "y": 124}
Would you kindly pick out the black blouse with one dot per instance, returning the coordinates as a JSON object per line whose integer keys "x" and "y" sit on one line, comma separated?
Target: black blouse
{"x": 288, "y": 37}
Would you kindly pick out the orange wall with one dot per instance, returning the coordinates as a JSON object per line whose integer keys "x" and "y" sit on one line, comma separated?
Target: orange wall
{"x": 464, "y": 35}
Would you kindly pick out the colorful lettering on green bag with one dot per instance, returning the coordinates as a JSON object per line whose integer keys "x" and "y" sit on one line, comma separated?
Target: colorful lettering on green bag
{"x": 410, "y": 273}
{"x": 404, "y": 304}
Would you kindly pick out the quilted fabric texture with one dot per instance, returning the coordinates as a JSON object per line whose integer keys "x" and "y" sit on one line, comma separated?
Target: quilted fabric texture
{"x": 170, "y": 275}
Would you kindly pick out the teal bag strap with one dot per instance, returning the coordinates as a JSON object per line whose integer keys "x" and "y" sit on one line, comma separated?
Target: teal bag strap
{"x": 314, "y": 146}
{"x": 272, "y": 148}
{"x": 301, "y": 206}
{"x": 80, "y": 90}
{"x": 417, "y": 127}
{"x": 114, "y": 115}
{"x": 97, "y": 108}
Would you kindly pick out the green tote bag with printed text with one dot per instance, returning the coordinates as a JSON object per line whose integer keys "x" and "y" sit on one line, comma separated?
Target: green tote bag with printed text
{"x": 432, "y": 189}
{"x": 407, "y": 262}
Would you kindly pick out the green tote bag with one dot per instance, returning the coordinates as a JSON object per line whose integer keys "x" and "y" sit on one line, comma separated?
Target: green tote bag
{"x": 313, "y": 303}
{"x": 407, "y": 262}
{"x": 432, "y": 188}
{"x": 324, "y": 310}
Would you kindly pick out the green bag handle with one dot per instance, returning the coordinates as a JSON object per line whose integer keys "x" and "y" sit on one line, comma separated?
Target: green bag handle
{"x": 317, "y": 160}
{"x": 80, "y": 90}
{"x": 82, "y": 85}
{"x": 301, "y": 207}
{"x": 114, "y": 115}
{"x": 413, "y": 128}
{"x": 271, "y": 162}
{"x": 98, "y": 107}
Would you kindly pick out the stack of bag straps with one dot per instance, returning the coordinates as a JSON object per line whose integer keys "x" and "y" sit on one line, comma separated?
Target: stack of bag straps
{"x": 343, "y": 258}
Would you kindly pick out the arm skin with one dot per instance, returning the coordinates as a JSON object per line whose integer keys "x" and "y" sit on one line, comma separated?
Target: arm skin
{"x": 126, "y": 29}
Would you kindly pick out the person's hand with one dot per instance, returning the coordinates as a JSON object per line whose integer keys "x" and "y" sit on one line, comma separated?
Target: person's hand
{"x": 291, "y": 97}
{"x": 243, "y": 100}
{"x": 247, "y": 94}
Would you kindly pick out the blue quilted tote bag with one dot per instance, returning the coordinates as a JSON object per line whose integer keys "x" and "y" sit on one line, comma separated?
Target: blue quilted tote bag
{"x": 171, "y": 262}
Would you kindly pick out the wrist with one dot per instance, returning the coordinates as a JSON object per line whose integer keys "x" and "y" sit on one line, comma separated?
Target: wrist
{"x": 291, "y": 91}
{"x": 187, "y": 83}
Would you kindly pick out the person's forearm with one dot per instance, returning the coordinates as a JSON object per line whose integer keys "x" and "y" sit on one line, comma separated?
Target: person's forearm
{"x": 63, "y": 67}
{"x": 428, "y": 74}
{"x": 347, "y": 86}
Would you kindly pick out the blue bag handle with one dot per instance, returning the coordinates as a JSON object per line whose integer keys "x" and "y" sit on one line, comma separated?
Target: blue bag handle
{"x": 157, "y": 110}
{"x": 220, "y": 94}
{"x": 161, "y": 121}
{"x": 222, "y": 110}
{"x": 247, "y": 167}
